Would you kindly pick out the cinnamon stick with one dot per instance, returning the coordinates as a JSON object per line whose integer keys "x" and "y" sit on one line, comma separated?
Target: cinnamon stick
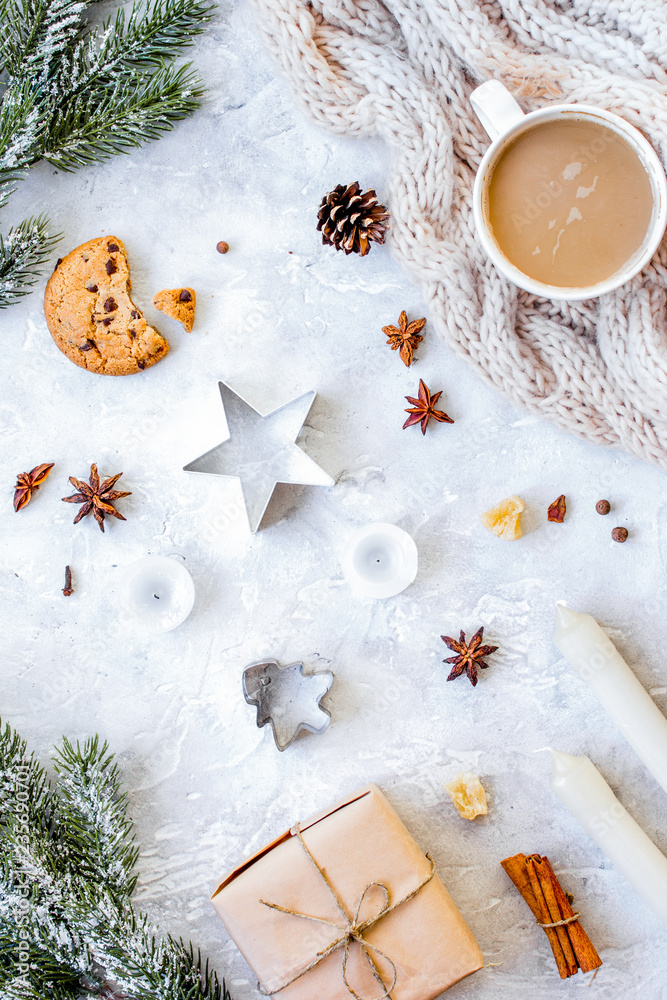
{"x": 586, "y": 954}
{"x": 537, "y": 883}
{"x": 542, "y": 885}
{"x": 516, "y": 869}
{"x": 555, "y": 939}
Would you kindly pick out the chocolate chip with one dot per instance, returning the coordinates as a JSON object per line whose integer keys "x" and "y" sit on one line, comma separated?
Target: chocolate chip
{"x": 88, "y": 346}
{"x": 603, "y": 506}
{"x": 620, "y": 534}
{"x": 110, "y": 305}
{"x": 111, "y": 266}
{"x": 133, "y": 335}
{"x": 112, "y": 247}
{"x": 58, "y": 262}
{"x": 91, "y": 288}
{"x": 141, "y": 365}
{"x": 107, "y": 321}
{"x": 185, "y": 296}
{"x": 134, "y": 314}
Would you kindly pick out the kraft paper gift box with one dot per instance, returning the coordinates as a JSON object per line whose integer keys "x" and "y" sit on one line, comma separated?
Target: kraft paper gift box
{"x": 293, "y": 908}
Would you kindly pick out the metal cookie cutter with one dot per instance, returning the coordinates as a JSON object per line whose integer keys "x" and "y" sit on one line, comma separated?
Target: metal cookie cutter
{"x": 287, "y": 698}
{"x": 260, "y": 451}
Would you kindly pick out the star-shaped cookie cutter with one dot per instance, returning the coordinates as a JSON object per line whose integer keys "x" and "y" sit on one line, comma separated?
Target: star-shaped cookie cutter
{"x": 287, "y": 698}
{"x": 261, "y": 450}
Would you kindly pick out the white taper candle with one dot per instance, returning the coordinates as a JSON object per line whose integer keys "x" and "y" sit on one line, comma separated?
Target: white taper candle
{"x": 597, "y": 661}
{"x": 584, "y": 792}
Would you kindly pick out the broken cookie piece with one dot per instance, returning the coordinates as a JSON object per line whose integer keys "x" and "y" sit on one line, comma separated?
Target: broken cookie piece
{"x": 91, "y": 316}
{"x": 179, "y": 303}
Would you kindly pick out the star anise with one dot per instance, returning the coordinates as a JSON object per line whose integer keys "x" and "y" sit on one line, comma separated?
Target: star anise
{"x": 424, "y": 408}
{"x": 405, "y": 337}
{"x": 469, "y": 656}
{"x": 96, "y": 497}
{"x": 28, "y": 482}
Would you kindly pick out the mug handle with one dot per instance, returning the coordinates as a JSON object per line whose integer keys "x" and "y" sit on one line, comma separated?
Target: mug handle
{"x": 496, "y": 108}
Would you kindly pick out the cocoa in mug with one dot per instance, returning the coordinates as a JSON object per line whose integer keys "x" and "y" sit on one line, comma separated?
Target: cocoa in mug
{"x": 569, "y": 202}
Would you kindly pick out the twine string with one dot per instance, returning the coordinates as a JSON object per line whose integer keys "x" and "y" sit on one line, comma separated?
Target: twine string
{"x": 353, "y": 929}
{"x": 560, "y": 923}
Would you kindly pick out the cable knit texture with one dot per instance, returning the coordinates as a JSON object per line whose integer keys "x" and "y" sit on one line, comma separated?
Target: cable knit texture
{"x": 404, "y": 70}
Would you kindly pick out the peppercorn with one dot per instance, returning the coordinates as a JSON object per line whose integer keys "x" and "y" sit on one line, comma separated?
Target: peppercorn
{"x": 603, "y": 506}
{"x": 222, "y": 247}
{"x": 619, "y": 534}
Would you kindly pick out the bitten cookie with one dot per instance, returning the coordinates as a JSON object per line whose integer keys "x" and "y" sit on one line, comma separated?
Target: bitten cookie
{"x": 179, "y": 303}
{"x": 91, "y": 316}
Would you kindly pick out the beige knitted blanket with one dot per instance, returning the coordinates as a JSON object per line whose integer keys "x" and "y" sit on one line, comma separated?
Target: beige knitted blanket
{"x": 404, "y": 70}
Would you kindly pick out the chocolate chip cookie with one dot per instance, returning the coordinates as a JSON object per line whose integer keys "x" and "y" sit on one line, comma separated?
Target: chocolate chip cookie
{"x": 91, "y": 316}
{"x": 179, "y": 303}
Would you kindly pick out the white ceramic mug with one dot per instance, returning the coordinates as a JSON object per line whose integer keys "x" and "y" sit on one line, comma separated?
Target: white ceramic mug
{"x": 504, "y": 120}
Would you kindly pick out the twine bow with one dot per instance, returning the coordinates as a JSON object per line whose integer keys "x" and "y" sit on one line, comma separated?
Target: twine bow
{"x": 353, "y": 929}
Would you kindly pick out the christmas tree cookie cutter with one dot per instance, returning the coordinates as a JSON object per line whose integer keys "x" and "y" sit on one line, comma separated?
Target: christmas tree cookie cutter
{"x": 287, "y": 698}
{"x": 260, "y": 451}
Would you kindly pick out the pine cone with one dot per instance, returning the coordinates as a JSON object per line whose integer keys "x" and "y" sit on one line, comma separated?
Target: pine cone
{"x": 350, "y": 220}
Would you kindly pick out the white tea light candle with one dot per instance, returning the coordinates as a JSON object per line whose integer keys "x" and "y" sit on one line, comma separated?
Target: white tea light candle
{"x": 157, "y": 593}
{"x": 584, "y": 793}
{"x": 597, "y": 661}
{"x": 380, "y": 560}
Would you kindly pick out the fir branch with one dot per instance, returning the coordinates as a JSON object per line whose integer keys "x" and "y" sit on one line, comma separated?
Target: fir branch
{"x": 146, "y": 968}
{"x": 21, "y": 128}
{"x": 24, "y": 789}
{"x": 18, "y": 988}
{"x": 66, "y": 873}
{"x": 94, "y": 825}
{"x": 22, "y": 251}
{"x": 146, "y": 42}
{"x": 31, "y": 901}
{"x": 124, "y": 119}
{"x": 21, "y": 22}
{"x": 36, "y": 894}
{"x": 34, "y": 32}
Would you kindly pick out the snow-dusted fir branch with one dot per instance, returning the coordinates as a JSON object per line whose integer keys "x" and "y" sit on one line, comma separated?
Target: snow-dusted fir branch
{"x": 146, "y": 968}
{"x": 37, "y": 951}
{"x": 129, "y": 40}
{"x": 68, "y": 929}
{"x": 95, "y": 830}
{"x": 22, "y": 251}
{"x": 131, "y": 112}
{"x": 74, "y": 93}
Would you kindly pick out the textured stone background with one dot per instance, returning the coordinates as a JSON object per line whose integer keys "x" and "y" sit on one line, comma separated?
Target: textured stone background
{"x": 278, "y": 315}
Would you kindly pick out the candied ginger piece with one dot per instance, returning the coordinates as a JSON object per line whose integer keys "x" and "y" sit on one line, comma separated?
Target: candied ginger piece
{"x": 468, "y": 795}
{"x": 504, "y": 520}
